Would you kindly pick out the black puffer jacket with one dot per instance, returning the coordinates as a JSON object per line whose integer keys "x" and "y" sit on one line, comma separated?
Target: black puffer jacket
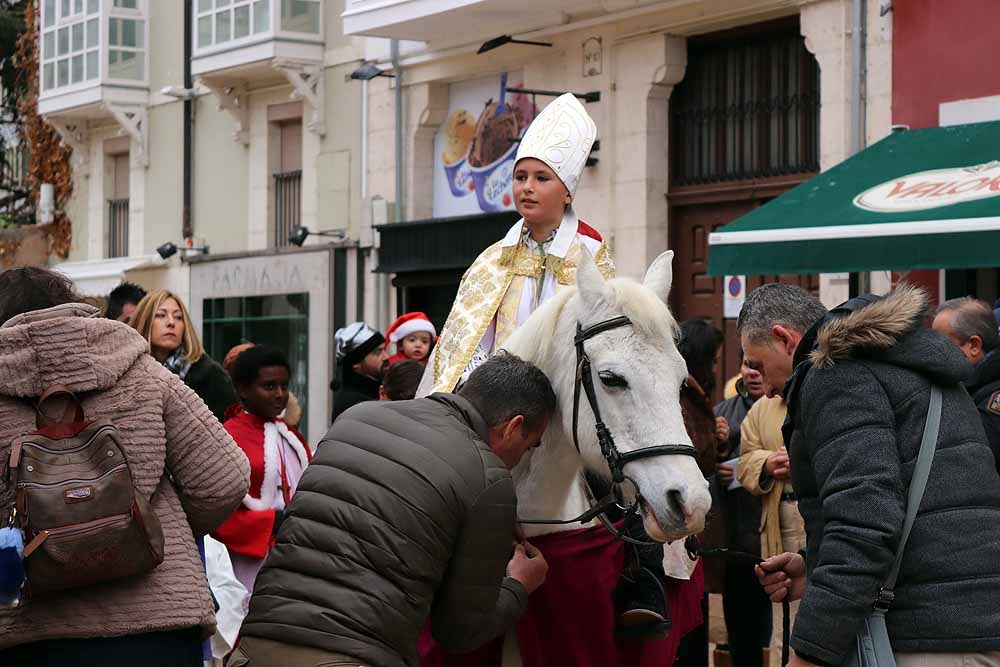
{"x": 858, "y": 408}
{"x": 403, "y": 505}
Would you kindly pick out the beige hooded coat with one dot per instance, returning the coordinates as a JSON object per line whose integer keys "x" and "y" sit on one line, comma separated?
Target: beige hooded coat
{"x": 174, "y": 446}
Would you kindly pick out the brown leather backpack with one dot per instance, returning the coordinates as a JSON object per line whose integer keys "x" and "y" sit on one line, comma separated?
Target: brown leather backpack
{"x": 84, "y": 521}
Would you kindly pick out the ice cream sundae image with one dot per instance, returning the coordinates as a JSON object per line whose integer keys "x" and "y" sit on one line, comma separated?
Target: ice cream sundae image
{"x": 458, "y": 133}
{"x": 494, "y": 135}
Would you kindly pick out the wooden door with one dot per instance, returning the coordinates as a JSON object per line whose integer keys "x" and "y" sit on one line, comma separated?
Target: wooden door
{"x": 695, "y": 294}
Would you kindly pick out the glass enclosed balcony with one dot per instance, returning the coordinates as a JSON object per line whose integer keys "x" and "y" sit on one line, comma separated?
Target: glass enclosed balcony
{"x": 91, "y": 49}
{"x": 233, "y": 34}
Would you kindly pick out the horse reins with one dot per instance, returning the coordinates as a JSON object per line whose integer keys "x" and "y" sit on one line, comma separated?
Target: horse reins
{"x": 615, "y": 459}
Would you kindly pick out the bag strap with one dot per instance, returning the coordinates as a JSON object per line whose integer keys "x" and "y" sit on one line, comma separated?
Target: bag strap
{"x": 918, "y": 483}
{"x": 57, "y": 405}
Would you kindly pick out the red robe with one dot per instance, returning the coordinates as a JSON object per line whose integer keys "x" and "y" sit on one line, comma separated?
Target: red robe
{"x": 248, "y": 530}
{"x": 570, "y": 618}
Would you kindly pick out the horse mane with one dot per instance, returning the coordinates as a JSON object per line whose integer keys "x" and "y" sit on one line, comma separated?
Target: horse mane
{"x": 649, "y": 316}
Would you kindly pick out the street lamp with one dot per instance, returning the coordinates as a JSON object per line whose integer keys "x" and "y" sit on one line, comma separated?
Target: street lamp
{"x": 497, "y": 42}
{"x": 301, "y": 232}
{"x": 369, "y": 71}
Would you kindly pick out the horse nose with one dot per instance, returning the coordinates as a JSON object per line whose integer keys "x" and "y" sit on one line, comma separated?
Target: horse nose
{"x": 675, "y": 503}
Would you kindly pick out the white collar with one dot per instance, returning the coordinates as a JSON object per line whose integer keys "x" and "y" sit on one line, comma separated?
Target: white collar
{"x": 560, "y": 244}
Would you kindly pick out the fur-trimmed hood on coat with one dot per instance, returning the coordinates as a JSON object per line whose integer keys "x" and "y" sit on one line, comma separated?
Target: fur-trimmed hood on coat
{"x": 891, "y": 329}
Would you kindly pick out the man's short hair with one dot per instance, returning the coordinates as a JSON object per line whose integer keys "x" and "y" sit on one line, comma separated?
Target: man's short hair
{"x": 505, "y": 386}
{"x": 775, "y": 303}
{"x": 972, "y": 317}
{"x": 402, "y": 380}
{"x": 119, "y": 296}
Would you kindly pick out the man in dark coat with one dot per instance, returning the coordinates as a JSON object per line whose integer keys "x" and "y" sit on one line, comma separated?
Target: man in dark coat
{"x": 746, "y": 608}
{"x": 857, "y": 383}
{"x": 406, "y": 513}
{"x": 361, "y": 358}
{"x": 971, "y": 325}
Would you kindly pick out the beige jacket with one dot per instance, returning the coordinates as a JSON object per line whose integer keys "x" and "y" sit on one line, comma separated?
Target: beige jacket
{"x": 760, "y": 436}
{"x": 174, "y": 447}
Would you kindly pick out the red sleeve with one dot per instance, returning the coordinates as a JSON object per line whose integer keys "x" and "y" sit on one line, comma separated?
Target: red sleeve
{"x": 247, "y": 532}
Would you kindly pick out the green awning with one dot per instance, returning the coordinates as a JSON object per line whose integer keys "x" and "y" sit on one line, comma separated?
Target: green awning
{"x": 918, "y": 199}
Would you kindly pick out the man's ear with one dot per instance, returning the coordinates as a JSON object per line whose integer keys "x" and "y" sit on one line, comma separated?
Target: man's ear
{"x": 381, "y": 394}
{"x": 514, "y": 425}
{"x": 975, "y": 344}
{"x": 785, "y": 338}
{"x": 357, "y": 368}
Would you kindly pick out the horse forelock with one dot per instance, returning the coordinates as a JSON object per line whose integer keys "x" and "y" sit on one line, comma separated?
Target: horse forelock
{"x": 649, "y": 315}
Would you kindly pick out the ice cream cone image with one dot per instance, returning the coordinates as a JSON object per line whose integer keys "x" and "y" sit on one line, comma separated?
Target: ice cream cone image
{"x": 458, "y": 132}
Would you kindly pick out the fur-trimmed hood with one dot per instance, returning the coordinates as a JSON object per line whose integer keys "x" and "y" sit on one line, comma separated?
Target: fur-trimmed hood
{"x": 891, "y": 329}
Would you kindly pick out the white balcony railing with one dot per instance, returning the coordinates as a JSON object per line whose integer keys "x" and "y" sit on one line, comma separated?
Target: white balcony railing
{"x": 228, "y": 25}
{"x": 91, "y": 43}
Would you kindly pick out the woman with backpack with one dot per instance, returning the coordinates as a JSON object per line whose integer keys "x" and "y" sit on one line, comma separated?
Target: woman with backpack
{"x": 162, "y": 319}
{"x": 184, "y": 476}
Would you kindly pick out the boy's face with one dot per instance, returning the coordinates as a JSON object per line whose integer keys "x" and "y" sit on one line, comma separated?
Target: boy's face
{"x": 416, "y": 346}
{"x": 267, "y": 397}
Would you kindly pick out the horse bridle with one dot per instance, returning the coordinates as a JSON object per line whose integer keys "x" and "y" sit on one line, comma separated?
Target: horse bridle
{"x": 615, "y": 459}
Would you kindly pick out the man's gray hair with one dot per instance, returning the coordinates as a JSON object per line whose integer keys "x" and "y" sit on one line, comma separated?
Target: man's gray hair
{"x": 775, "y": 303}
{"x": 505, "y": 386}
{"x": 972, "y": 317}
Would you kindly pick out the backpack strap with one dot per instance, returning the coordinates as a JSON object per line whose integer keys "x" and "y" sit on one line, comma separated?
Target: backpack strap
{"x": 57, "y": 405}
{"x": 918, "y": 483}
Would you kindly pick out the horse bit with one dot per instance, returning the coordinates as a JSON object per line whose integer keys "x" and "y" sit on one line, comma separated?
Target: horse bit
{"x": 615, "y": 459}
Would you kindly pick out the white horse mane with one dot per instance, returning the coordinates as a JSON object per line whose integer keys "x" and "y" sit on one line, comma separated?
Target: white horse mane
{"x": 649, "y": 315}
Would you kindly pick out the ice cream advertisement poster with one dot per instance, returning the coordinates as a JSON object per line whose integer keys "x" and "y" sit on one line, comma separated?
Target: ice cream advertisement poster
{"x": 474, "y": 149}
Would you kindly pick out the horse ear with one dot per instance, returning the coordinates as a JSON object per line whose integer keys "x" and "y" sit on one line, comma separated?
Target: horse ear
{"x": 589, "y": 280}
{"x": 660, "y": 275}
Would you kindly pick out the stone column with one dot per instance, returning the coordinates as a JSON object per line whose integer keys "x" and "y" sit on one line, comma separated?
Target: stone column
{"x": 646, "y": 71}
{"x": 425, "y": 108}
{"x": 826, "y": 28}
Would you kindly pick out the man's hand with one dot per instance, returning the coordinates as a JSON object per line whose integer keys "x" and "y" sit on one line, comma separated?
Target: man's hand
{"x": 777, "y": 465}
{"x": 722, "y": 431}
{"x": 783, "y": 576}
{"x": 528, "y": 566}
{"x": 724, "y": 473}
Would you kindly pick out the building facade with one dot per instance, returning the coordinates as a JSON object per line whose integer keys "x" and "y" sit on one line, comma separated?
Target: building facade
{"x": 704, "y": 110}
{"x": 218, "y": 124}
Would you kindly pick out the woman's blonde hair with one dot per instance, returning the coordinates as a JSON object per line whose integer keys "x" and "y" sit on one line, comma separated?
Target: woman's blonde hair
{"x": 145, "y": 312}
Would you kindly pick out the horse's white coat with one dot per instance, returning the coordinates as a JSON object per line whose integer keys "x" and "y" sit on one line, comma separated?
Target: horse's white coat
{"x": 647, "y": 413}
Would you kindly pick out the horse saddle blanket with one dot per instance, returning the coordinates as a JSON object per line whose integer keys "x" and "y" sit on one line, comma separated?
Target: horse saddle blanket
{"x": 570, "y": 619}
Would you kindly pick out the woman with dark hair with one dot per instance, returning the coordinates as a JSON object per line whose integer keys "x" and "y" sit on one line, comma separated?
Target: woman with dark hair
{"x": 163, "y": 320}
{"x": 179, "y": 457}
{"x": 277, "y": 453}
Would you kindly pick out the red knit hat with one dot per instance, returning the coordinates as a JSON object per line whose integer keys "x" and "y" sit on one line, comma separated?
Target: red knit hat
{"x": 409, "y": 323}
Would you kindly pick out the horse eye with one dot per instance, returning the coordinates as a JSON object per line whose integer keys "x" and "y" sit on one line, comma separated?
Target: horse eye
{"x": 609, "y": 379}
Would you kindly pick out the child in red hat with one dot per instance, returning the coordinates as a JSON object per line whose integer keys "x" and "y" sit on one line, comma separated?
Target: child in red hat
{"x": 413, "y": 335}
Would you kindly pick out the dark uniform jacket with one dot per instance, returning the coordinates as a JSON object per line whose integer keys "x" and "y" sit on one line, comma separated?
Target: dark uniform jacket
{"x": 740, "y": 508}
{"x": 857, "y": 409}
{"x": 985, "y": 391}
{"x": 404, "y": 514}
{"x": 354, "y": 389}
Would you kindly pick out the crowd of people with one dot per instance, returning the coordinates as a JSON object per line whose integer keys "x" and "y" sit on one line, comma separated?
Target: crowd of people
{"x": 398, "y": 530}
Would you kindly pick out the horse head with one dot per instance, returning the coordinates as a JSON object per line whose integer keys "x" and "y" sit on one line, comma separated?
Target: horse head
{"x": 637, "y": 377}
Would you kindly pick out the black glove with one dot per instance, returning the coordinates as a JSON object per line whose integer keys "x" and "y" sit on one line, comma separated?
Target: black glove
{"x": 279, "y": 516}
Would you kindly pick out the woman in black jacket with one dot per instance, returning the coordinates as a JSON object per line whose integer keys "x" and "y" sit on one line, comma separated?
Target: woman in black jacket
{"x": 164, "y": 321}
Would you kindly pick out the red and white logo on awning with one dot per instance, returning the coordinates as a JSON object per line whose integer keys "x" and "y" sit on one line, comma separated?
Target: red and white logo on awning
{"x": 932, "y": 189}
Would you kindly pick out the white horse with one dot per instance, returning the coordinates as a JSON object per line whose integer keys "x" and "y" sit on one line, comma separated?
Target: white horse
{"x": 638, "y": 374}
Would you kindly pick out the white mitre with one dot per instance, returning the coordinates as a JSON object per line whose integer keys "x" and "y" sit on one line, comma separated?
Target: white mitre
{"x": 561, "y": 136}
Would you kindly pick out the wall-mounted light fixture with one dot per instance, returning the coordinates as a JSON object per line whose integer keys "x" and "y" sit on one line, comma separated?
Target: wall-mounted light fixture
{"x": 497, "y": 42}
{"x": 301, "y": 233}
{"x": 169, "y": 249}
{"x": 369, "y": 71}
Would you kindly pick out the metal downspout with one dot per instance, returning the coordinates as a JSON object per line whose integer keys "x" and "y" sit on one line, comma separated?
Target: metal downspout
{"x": 859, "y": 69}
{"x": 187, "y": 225}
